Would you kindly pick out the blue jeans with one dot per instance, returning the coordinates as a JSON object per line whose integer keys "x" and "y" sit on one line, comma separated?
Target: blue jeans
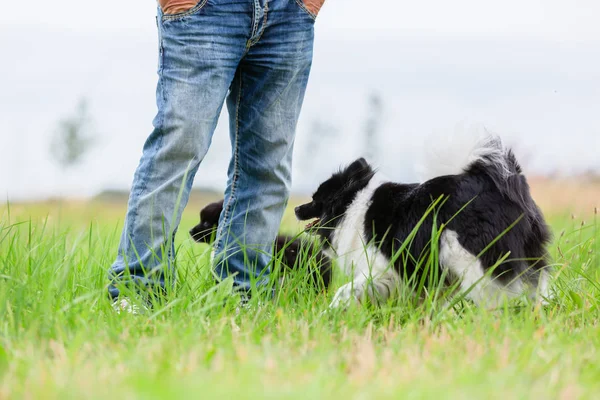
{"x": 256, "y": 55}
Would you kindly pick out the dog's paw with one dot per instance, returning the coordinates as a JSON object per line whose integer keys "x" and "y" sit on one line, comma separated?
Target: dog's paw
{"x": 346, "y": 295}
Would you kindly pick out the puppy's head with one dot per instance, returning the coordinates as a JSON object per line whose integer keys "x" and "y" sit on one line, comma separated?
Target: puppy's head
{"x": 209, "y": 221}
{"x": 333, "y": 196}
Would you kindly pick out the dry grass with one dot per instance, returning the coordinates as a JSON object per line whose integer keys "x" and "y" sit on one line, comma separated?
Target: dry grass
{"x": 578, "y": 196}
{"x": 564, "y": 197}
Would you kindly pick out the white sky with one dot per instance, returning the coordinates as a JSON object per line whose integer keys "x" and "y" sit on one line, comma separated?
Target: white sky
{"x": 530, "y": 70}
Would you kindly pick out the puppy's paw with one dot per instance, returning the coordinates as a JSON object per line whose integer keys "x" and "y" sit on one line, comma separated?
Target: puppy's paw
{"x": 346, "y": 295}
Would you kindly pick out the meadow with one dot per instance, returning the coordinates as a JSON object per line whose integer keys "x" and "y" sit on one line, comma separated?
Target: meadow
{"x": 60, "y": 337}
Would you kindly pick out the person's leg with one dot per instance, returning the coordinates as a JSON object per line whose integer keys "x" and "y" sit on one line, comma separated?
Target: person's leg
{"x": 199, "y": 53}
{"x": 264, "y": 105}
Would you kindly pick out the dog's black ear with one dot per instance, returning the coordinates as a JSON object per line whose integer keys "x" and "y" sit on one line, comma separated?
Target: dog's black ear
{"x": 363, "y": 163}
{"x": 360, "y": 165}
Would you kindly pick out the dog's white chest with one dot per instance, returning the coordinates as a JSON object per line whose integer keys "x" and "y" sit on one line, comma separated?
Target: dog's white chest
{"x": 349, "y": 240}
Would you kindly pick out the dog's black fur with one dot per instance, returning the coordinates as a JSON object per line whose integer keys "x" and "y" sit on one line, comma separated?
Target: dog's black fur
{"x": 209, "y": 220}
{"x": 292, "y": 251}
{"x": 480, "y": 204}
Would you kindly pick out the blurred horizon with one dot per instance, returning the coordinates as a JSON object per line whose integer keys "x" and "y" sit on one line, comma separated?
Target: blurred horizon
{"x": 528, "y": 72}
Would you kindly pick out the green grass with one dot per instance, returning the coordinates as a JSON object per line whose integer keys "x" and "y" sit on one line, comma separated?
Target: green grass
{"x": 60, "y": 338}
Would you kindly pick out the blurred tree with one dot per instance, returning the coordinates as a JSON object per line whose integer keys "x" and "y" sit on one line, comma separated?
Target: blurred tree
{"x": 73, "y": 137}
{"x": 373, "y": 126}
{"x": 320, "y": 134}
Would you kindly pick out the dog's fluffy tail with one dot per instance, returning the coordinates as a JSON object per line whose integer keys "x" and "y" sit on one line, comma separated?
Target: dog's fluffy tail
{"x": 454, "y": 154}
{"x": 478, "y": 152}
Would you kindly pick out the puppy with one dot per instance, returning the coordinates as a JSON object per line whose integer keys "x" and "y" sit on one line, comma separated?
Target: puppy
{"x": 209, "y": 220}
{"x": 293, "y": 252}
{"x": 491, "y": 236}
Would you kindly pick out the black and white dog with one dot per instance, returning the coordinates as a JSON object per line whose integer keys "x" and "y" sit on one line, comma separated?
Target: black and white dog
{"x": 294, "y": 252}
{"x": 493, "y": 241}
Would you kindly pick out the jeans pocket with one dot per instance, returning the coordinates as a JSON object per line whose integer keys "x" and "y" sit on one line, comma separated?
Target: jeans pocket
{"x": 182, "y": 14}
{"x": 311, "y": 7}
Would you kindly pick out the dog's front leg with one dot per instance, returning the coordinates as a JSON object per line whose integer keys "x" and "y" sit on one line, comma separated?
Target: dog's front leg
{"x": 377, "y": 289}
{"x": 348, "y": 293}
